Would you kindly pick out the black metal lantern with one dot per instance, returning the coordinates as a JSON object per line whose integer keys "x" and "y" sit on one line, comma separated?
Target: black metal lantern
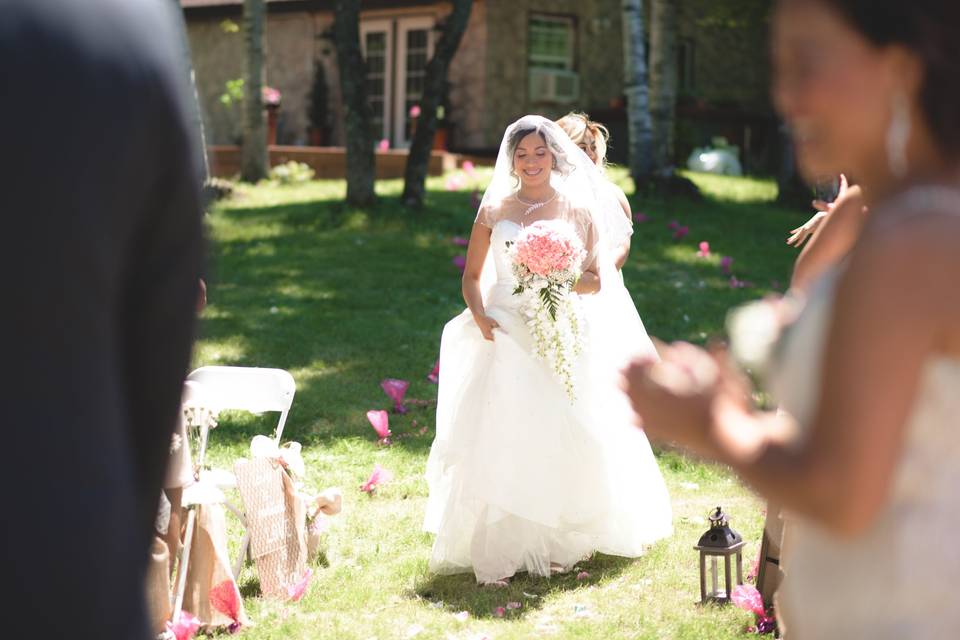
{"x": 719, "y": 542}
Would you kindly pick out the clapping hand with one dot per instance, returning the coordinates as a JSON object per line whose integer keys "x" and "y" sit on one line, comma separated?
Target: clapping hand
{"x": 804, "y": 232}
{"x": 683, "y": 397}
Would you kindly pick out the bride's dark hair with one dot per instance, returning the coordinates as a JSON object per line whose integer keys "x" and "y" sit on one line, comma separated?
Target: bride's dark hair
{"x": 931, "y": 30}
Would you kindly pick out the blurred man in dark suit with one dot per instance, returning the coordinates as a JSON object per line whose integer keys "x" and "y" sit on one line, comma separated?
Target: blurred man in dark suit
{"x": 100, "y": 200}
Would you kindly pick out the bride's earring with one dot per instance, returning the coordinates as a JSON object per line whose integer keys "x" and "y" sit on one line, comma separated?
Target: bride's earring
{"x": 898, "y": 135}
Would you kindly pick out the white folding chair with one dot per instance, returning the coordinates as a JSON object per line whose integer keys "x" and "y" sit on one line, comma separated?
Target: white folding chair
{"x": 253, "y": 389}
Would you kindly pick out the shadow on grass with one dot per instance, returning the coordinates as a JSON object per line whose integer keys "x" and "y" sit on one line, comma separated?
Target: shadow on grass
{"x": 344, "y": 298}
{"x": 462, "y": 593}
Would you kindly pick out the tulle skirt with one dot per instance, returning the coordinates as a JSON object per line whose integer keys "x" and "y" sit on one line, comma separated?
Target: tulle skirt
{"x": 521, "y": 477}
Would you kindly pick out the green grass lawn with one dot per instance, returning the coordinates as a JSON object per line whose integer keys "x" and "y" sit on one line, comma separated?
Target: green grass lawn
{"x": 343, "y": 298}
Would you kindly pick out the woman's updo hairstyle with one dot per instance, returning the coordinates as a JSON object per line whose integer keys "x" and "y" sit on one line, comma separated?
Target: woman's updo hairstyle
{"x": 931, "y": 30}
{"x": 579, "y": 125}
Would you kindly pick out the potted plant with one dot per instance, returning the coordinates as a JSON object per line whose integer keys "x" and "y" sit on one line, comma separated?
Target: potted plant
{"x": 319, "y": 107}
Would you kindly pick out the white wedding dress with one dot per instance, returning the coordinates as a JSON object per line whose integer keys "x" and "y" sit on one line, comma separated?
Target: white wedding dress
{"x": 521, "y": 477}
{"x": 897, "y": 579}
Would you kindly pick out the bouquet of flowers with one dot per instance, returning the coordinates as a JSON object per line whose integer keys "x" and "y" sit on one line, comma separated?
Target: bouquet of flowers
{"x": 546, "y": 259}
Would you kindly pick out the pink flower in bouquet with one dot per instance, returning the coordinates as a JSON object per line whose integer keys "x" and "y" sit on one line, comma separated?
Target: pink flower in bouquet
{"x": 468, "y": 168}
{"x": 680, "y": 233}
{"x": 460, "y": 242}
{"x": 726, "y": 263}
{"x": 185, "y": 626}
{"x": 380, "y": 422}
{"x": 704, "y": 251}
{"x": 396, "y": 390}
{"x": 543, "y": 248}
{"x": 460, "y": 262}
{"x": 271, "y": 97}
{"x": 378, "y": 477}
{"x": 415, "y": 111}
{"x": 296, "y": 590}
{"x": 383, "y": 145}
{"x": 434, "y": 375}
{"x": 748, "y": 598}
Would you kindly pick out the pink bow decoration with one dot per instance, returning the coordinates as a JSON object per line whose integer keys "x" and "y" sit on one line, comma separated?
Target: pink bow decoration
{"x": 185, "y": 626}
{"x": 296, "y": 590}
{"x": 225, "y": 598}
{"x": 378, "y": 477}
{"x": 434, "y": 375}
{"x": 380, "y": 421}
{"x": 748, "y": 598}
{"x": 396, "y": 390}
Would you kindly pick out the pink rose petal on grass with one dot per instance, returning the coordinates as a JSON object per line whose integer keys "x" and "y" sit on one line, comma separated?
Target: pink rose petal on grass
{"x": 184, "y": 627}
{"x": 748, "y": 598}
{"x": 704, "y": 251}
{"x": 396, "y": 390}
{"x": 380, "y": 421}
{"x": 296, "y": 590}
{"x": 460, "y": 262}
{"x": 726, "y": 262}
{"x": 378, "y": 477}
{"x": 434, "y": 375}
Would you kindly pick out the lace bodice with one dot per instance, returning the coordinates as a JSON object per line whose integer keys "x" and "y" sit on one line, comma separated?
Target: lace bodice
{"x": 508, "y": 217}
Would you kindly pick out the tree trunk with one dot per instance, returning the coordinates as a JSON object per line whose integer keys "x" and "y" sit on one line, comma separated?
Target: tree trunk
{"x": 418, "y": 160}
{"x": 358, "y": 115}
{"x": 663, "y": 83}
{"x": 253, "y": 152}
{"x": 186, "y": 62}
{"x": 635, "y": 88}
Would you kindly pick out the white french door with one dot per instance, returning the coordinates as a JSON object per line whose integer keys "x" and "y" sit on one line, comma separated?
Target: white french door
{"x": 376, "y": 40}
{"x": 397, "y": 52}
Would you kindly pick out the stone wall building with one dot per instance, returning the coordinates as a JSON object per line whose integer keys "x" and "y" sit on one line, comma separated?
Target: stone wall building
{"x": 516, "y": 57}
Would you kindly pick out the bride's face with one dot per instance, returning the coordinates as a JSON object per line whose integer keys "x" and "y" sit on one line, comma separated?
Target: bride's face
{"x": 532, "y": 160}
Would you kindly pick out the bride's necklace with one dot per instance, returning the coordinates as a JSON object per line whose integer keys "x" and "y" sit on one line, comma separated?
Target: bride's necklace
{"x": 533, "y": 206}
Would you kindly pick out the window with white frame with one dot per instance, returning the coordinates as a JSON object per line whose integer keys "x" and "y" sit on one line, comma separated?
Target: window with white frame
{"x": 550, "y": 42}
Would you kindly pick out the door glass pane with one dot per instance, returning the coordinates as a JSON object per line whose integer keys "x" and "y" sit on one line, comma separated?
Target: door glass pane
{"x": 416, "y": 63}
{"x": 376, "y": 46}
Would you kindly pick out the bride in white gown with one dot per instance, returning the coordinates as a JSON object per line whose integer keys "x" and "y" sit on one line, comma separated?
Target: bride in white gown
{"x": 522, "y": 478}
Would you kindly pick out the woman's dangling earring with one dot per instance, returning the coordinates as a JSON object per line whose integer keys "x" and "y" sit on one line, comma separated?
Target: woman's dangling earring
{"x": 898, "y": 135}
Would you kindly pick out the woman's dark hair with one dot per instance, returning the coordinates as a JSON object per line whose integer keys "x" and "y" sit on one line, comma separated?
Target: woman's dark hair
{"x": 931, "y": 30}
